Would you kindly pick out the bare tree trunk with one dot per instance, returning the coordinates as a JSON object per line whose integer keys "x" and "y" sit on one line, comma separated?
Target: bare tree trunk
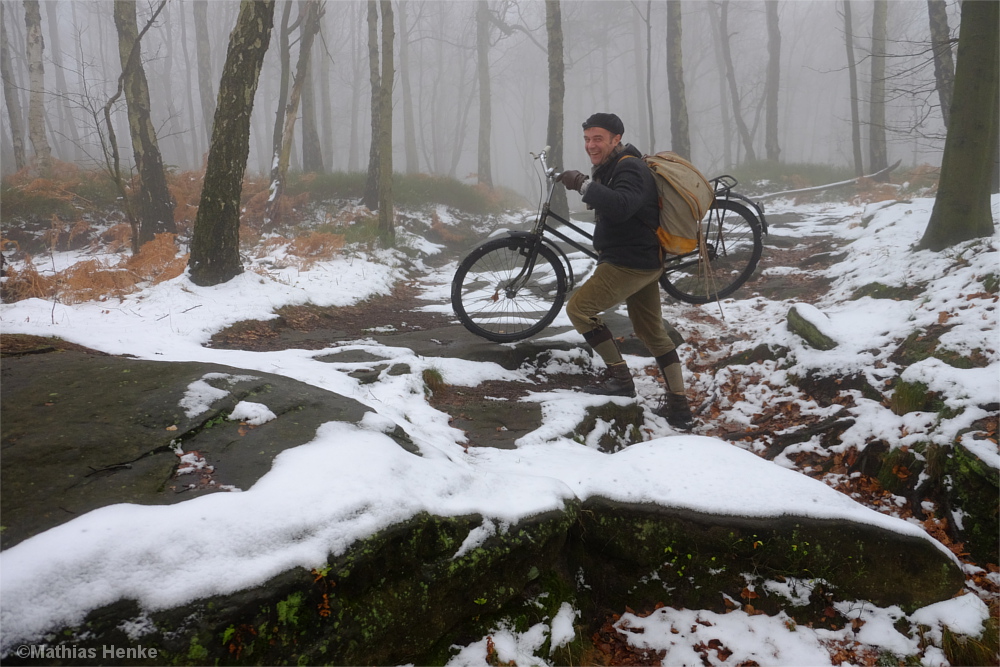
{"x": 557, "y": 93}
{"x": 10, "y": 95}
{"x": 36, "y": 85}
{"x": 409, "y": 129}
{"x": 67, "y": 124}
{"x": 309, "y": 25}
{"x": 944, "y": 66}
{"x": 353, "y": 147}
{"x": 156, "y": 207}
{"x": 727, "y": 133}
{"x": 325, "y": 108}
{"x": 773, "y": 79}
{"x": 878, "y": 154}
{"x": 215, "y": 241}
{"x": 370, "y": 198}
{"x": 734, "y": 91}
{"x": 680, "y": 133}
{"x": 461, "y": 123}
{"x": 852, "y": 70}
{"x": 962, "y": 206}
{"x": 203, "y": 55}
{"x": 640, "y": 69}
{"x": 485, "y": 173}
{"x": 648, "y": 87}
{"x": 196, "y": 133}
{"x": 312, "y": 149}
{"x": 386, "y": 222}
{"x": 175, "y": 131}
{"x": 277, "y": 132}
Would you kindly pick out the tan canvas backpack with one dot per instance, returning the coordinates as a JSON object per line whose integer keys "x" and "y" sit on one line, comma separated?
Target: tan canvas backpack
{"x": 685, "y": 196}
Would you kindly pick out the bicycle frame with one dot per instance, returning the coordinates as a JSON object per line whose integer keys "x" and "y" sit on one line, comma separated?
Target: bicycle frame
{"x": 723, "y": 190}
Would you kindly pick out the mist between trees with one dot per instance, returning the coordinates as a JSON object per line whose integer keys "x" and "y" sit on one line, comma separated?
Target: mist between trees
{"x": 471, "y": 82}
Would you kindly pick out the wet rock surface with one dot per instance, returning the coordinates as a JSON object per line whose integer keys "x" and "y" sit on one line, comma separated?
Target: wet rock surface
{"x": 83, "y": 430}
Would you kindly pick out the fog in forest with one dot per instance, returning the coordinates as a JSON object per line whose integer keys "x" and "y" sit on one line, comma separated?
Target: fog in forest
{"x": 607, "y": 45}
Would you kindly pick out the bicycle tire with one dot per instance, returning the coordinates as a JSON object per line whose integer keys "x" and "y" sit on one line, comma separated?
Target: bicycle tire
{"x": 488, "y": 309}
{"x": 733, "y": 240}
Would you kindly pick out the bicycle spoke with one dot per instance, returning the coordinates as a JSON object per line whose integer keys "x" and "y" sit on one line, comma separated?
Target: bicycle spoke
{"x": 498, "y": 297}
{"x": 732, "y": 247}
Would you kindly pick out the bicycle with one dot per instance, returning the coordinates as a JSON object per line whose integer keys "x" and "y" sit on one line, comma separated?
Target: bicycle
{"x": 511, "y": 288}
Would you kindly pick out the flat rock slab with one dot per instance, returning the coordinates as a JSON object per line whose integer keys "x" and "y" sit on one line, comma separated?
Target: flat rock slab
{"x": 83, "y": 430}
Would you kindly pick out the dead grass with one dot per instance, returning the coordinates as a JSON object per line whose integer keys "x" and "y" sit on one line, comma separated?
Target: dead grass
{"x": 97, "y": 279}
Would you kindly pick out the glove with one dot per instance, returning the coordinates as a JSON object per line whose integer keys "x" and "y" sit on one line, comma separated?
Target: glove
{"x": 572, "y": 179}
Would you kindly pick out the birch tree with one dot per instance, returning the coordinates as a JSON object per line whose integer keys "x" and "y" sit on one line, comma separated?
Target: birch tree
{"x": 680, "y": 133}
{"x": 310, "y": 12}
{"x": 36, "y": 85}
{"x": 156, "y": 207}
{"x": 215, "y": 241}
{"x": 944, "y": 65}
{"x": 206, "y": 91}
{"x": 10, "y": 95}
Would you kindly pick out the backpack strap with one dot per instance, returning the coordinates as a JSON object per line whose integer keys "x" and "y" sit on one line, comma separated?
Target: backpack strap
{"x": 656, "y": 229}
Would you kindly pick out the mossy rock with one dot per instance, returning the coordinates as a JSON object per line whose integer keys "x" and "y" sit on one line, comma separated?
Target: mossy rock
{"x": 621, "y": 424}
{"x": 925, "y": 343}
{"x": 910, "y": 397}
{"x": 641, "y": 555}
{"x": 387, "y": 600}
{"x": 825, "y": 388}
{"x": 762, "y": 352}
{"x": 808, "y": 331}
{"x": 974, "y": 489}
{"x": 899, "y": 471}
{"x": 895, "y": 292}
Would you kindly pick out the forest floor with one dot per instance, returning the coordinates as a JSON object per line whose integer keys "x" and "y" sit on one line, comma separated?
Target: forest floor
{"x": 734, "y": 383}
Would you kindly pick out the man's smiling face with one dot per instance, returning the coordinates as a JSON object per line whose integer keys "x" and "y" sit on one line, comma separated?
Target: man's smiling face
{"x": 599, "y": 143}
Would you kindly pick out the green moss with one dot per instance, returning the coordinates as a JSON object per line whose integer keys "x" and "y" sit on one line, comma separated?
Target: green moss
{"x": 433, "y": 380}
{"x": 909, "y": 397}
{"x": 878, "y": 290}
{"x": 974, "y": 490}
{"x": 899, "y": 471}
{"x": 289, "y": 608}
{"x": 197, "y": 653}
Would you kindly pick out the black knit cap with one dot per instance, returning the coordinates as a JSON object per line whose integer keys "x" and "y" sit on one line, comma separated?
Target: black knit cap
{"x": 608, "y": 121}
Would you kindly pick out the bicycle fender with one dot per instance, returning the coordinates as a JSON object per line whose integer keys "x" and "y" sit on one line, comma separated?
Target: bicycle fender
{"x": 570, "y": 278}
{"x": 758, "y": 208}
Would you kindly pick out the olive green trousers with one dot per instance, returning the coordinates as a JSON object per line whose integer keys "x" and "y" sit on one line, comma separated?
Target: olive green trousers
{"x": 611, "y": 285}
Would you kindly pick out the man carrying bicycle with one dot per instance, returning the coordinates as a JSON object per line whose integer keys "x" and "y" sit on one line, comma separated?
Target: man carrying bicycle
{"x": 622, "y": 193}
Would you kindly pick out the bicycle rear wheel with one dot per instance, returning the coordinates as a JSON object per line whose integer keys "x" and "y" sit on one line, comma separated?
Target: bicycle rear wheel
{"x": 495, "y": 295}
{"x": 732, "y": 235}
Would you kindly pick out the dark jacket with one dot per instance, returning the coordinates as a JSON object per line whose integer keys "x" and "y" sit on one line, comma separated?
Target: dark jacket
{"x": 626, "y": 207}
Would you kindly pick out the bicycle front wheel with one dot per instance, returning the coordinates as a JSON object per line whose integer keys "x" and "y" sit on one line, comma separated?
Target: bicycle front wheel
{"x": 733, "y": 245}
{"x": 497, "y": 295}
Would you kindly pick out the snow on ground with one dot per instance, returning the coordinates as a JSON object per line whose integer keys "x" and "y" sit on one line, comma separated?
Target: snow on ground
{"x": 352, "y": 480}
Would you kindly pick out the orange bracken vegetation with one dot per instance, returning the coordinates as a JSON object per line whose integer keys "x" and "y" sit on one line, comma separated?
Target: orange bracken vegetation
{"x": 98, "y": 279}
